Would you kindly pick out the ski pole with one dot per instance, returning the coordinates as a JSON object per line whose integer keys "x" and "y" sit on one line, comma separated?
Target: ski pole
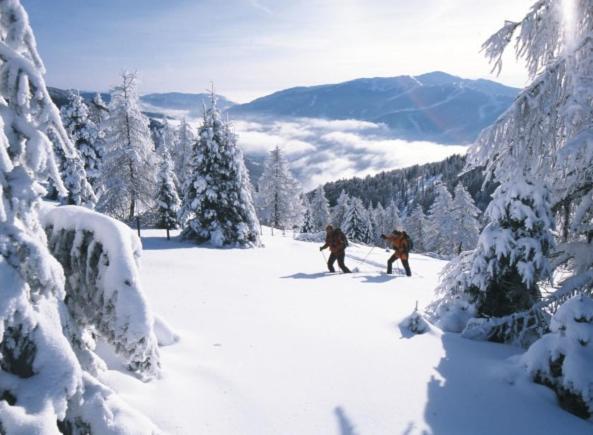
{"x": 364, "y": 259}
{"x": 323, "y": 255}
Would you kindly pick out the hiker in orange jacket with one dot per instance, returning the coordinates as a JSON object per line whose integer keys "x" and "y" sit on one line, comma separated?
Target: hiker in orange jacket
{"x": 337, "y": 242}
{"x": 400, "y": 242}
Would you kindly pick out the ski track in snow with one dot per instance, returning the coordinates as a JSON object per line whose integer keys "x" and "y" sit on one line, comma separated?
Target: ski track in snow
{"x": 272, "y": 344}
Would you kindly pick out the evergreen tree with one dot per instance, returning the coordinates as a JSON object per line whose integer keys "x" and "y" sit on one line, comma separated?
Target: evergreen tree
{"x": 441, "y": 225}
{"x": 98, "y": 110}
{"x": 338, "y": 212}
{"x": 511, "y": 257}
{"x": 278, "y": 200}
{"x": 44, "y": 388}
{"x": 307, "y": 225}
{"x": 184, "y": 140}
{"x": 357, "y": 224}
{"x": 319, "y": 209}
{"x": 85, "y": 136}
{"x": 379, "y": 224}
{"x": 546, "y": 135}
{"x": 79, "y": 191}
{"x": 416, "y": 225}
{"x": 562, "y": 359}
{"x": 168, "y": 201}
{"x": 465, "y": 217}
{"x": 217, "y": 204}
{"x": 130, "y": 164}
{"x": 392, "y": 220}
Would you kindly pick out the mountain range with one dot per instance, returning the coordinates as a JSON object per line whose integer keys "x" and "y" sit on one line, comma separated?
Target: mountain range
{"x": 156, "y": 104}
{"x": 436, "y": 107}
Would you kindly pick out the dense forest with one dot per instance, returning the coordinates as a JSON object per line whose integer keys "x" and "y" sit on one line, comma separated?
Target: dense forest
{"x": 414, "y": 185}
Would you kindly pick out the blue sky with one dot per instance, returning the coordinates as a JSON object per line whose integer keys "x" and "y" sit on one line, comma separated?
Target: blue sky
{"x": 253, "y": 47}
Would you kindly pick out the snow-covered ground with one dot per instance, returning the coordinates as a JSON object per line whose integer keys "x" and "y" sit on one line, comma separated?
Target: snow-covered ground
{"x": 271, "y": 344}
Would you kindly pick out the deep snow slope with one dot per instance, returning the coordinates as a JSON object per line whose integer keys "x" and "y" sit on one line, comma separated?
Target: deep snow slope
{"x": 271, "y": 344}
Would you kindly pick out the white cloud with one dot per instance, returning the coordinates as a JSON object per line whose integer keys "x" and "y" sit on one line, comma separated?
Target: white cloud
{"x": 322, "y": 150}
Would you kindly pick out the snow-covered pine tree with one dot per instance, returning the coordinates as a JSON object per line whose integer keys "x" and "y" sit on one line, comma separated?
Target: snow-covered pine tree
{"x": 307, "y": 225}
{"x": 84, "y": 134}
{"x": 43, "y": 384}
{"x": 168, "y": 201}
{"x": 379, "y": 224}
{"x": 320, "y": 209}
{"x": 130, "y": 164}
{"x": 217, "y": 205}
{"x": 416, "y": 225}
{"x": 79, "y": 190}
{"x": 357, "y": 226}
{"x": 392, "y": 220}
{"x": 547, "y": 132}
{"x": 465, "y": 217}
{"x": 183, "y": 150}
{"x": 545, "y": 136}
{"x": 98, "y": 114}
{"x": 511, "y": 256}
{"x": 279, "y": 195}
{"x": 563, "y": 359}
{"x": 32, "y": 281}
{"x": 98, "y": 110}
{"x": 339, "y": 210}
{"x": 441, "y": 225}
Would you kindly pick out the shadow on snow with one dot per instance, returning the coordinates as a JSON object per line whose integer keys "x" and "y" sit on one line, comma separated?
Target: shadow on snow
{"x": 345, "y": 426}
{"x": 473, "y": 396}
{"x": 301, "y": 275}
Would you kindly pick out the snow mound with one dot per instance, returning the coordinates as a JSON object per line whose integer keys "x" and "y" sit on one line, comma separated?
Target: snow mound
{"x": 563, "y": 359}
{"x": 102, "y": 411}
{"x": 414, "y": 324}
{"x": 165, "y": 335}
{"x": 100, "y": 259}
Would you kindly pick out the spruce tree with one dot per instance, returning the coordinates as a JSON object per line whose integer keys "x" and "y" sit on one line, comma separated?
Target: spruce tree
{"x": 441, "y": 227}
{"x": 465, "y": 217}
{"x": 84, "y": 134}
{"x": 307, "y": 225}
{"x": 98, "y": 110}
{"x": 416, "y": 225}
{"x": 79, "y": 191}
{"x": 44, "y": 387}
{"x": 339, "y": 210}
{"x": 130, "y": 164}
{"x": 511, "y": 257}
{"x": 392, "y": 220}
{"x": 168, "y": 201}
{"x": 217, "y": 205}
{"x": 357, "y": 224}
{"x": 182, "y": 152}
{"x": 379, "y": 224}
{"x": 320, "y": 209}
{"x": 278, "y": 199}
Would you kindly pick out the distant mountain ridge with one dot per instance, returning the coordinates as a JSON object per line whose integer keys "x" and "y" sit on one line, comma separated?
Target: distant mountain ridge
{"x": 436, "y": 106}
{"x": 156, "y": 101}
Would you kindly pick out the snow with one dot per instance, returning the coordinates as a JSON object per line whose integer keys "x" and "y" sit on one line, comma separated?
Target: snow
{"x": 113, "y": 301}
{"x": 272, "y": 344}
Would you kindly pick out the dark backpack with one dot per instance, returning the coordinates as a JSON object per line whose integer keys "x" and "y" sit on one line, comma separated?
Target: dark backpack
{"x": 342, "y": 237}
{"x": 409, "y": 240}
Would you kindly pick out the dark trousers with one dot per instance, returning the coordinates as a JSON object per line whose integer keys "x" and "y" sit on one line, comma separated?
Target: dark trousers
{"x": 393, "y": 258}
{"x": 340, "y": 257}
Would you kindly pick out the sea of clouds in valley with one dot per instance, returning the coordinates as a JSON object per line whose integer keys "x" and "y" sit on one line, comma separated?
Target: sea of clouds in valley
{"x": 322, "y": 150}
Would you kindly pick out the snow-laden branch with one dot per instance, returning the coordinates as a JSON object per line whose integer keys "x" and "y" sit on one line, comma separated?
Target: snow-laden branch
{"x": 100, "y": 260}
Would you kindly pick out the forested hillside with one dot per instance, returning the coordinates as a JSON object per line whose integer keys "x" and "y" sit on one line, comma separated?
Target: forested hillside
{"x": 413, "y": 185}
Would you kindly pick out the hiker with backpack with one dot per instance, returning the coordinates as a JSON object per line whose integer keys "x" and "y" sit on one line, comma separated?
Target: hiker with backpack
{"x": 402, "y": 244}
{"x": 337, "y": 242}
